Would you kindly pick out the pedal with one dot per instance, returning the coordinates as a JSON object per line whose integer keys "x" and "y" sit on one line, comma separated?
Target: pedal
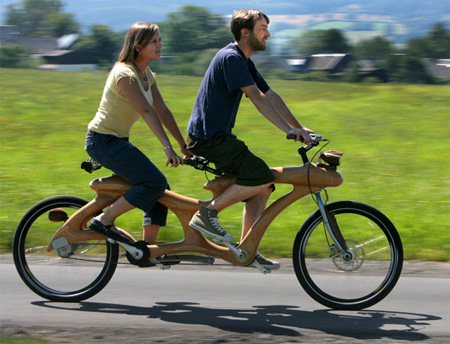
{"x": 163, "y": 266}
{"x": 260, "y": 267}
{"x": 167, "y": 260}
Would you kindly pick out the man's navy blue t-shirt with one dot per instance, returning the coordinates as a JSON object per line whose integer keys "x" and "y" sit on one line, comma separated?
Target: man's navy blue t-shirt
{"x": 220, "y": 94}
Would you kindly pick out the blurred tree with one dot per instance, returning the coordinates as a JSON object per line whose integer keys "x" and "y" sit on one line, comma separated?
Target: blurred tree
{"x": 440, "y": 41}
{"x": 330, "y": 41}
{"x": 306, "y": 44}
{"x": 194, "y": 28}
{"x": 40, "y": 18}
{"x": 407, "y": 69}
{"x": 333, "y": 41}
{"x": 439, "y": 38}
{"x": 14, "y": 56}
{"x": 419, "y": 47}
{"x": 102, "y": 44}
{"x": 377, "y": 48}
{"x": 435, "y": 45}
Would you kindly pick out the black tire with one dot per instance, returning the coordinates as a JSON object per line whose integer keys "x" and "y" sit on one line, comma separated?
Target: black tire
{"x": 78, "y": 277}
{"x": 365, "y": 279}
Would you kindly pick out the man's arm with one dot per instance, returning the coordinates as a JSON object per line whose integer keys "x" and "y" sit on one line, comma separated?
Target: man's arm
{"x": 270, "y": 109}
{"x": 282, "y": 108}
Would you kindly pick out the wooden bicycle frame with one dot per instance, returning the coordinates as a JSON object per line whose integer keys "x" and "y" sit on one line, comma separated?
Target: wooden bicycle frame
{"x": 305, "y": 179}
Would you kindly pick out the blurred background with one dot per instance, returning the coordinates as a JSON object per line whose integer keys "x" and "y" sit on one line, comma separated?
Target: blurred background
{"x": 404, "y": 41}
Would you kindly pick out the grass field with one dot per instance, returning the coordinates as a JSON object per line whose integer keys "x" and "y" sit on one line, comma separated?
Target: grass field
{"x": 395, "y": 140}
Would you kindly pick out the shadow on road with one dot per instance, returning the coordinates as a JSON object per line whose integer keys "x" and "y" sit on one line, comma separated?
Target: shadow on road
{"x": 272, "y": 319}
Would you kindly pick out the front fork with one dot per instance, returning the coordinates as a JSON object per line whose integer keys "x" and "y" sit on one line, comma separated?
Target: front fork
{"x": 333, "y": 230}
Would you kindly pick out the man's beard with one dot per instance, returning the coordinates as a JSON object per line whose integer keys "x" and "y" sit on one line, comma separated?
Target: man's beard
{"x": 254, "y": 44}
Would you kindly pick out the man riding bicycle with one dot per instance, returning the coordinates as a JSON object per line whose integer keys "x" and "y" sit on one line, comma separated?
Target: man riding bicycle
{"x": 230, "y": 74}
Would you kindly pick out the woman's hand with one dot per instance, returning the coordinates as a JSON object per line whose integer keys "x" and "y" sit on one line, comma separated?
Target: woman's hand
{"x": 172, "y": 158}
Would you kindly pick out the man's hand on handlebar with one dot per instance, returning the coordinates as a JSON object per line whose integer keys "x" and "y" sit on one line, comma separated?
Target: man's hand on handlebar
{"x": 301, "y": 134}
{"x": 187, "y": 153}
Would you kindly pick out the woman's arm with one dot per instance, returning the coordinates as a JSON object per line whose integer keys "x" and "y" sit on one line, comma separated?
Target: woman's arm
{"x": 167, "y": 119}
{"x": 132, "y": 91}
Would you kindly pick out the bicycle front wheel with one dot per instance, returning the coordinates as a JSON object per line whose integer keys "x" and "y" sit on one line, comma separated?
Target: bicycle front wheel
{"x": 80, "y": 274}
{"x": 358, "y": 280}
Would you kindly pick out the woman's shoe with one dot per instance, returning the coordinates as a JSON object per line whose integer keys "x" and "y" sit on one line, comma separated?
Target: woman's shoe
{"x": 107, "y": 230}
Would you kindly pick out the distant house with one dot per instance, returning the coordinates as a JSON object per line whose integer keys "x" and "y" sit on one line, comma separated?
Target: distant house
{"x": 438, "y": 68}
{"x": 368, "y": 68}
{"x": 64, "y": 59}
{"x": 9, "y": 35}
{"x": 54, "y": 51}
{"x": 333, "y": 64}
{"x": 39, "y": 45}
{"x": 67, "y": 60}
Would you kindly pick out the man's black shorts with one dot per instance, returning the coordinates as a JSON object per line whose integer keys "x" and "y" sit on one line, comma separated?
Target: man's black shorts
{"x": 232, "y": 156}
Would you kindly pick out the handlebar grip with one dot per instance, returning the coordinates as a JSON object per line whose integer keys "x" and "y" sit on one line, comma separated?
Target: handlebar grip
{"x": 190, "y": 162}
{"x": 315, "y": 138}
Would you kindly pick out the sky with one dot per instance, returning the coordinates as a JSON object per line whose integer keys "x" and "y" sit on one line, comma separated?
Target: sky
{"x": 127, "y": 12}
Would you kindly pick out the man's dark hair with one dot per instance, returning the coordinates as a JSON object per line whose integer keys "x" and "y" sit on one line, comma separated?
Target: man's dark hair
{"x": 245, "y": 19}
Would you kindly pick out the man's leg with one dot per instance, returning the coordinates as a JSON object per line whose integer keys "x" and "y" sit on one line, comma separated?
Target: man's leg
{"x": 253, "y": 209}
{"x": 206, "y": 220}
{"x": 254, "y": 206}
{"x": 236, "y": 193}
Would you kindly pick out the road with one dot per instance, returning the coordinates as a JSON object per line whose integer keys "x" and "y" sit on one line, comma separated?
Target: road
{"x": 227, "y": 305}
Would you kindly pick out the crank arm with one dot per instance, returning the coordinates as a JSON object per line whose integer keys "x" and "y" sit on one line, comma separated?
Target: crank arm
{"x": 134, "y": 251}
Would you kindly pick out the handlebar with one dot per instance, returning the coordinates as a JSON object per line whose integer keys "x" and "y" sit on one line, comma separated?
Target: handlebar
{"x": 315, "y": 139}
{"x": 202, "y": 164}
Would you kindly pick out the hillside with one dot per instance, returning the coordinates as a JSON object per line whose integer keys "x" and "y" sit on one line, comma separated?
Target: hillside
{"x": 399, "y": 20}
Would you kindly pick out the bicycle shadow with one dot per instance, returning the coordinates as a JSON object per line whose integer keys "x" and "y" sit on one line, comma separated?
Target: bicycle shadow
{"x": 282, "y": 320}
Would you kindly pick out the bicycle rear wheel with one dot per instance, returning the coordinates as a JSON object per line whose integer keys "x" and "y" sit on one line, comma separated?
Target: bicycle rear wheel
{"x": 356, "y": 283}
{"x": 83, "y": 273}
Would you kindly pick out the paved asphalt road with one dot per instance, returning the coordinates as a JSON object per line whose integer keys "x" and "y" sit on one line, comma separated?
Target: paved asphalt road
{"x": 226, "y": 305}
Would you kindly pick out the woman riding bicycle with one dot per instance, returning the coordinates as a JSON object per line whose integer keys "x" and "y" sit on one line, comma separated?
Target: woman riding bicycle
{"x": 131, "y": 92}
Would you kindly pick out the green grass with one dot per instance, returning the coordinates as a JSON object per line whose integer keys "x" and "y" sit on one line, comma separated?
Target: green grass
{"x": 22, "y": 339}
{"x": 395, "y": 140}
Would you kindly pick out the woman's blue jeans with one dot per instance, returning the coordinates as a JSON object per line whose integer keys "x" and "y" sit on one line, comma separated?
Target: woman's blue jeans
{"x": 128, "y": 162}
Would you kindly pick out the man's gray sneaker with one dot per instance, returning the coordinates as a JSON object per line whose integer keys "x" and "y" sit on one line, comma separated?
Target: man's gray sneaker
{"x": 205, "y": 220}
{"x": 266, "y": 263}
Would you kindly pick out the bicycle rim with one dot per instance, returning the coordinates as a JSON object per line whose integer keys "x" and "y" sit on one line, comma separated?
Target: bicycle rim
{"x": 363, "y": 280}
{"x": 78, "y": 277}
